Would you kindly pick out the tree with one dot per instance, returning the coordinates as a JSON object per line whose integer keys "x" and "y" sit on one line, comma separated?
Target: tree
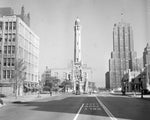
{"x": 51, "y": 83}
{"x": 18, "y": 76}
{"x": 66, "y": 84}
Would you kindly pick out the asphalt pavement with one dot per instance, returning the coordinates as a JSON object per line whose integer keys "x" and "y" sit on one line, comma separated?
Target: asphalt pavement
{"x": 79, "y": 107}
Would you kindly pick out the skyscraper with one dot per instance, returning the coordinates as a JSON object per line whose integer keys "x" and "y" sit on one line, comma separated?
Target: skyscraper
{"x": 123, "y": 55}
{"x": 146, "y": 63}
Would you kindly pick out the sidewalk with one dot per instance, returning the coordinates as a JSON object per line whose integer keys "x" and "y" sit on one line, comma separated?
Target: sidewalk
{"x": 127, "y": 93}
{"x": 26, "y": 98}
{"x": 130, "y": 94}
{"x": 139, "y": 96}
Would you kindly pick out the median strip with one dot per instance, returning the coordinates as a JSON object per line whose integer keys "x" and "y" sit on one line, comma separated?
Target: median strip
{"x": 75, "y": 118}
{"x": 106, "y": 110}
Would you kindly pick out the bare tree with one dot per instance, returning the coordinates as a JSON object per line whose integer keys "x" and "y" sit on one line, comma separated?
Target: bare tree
{"x": 19, "y": 76}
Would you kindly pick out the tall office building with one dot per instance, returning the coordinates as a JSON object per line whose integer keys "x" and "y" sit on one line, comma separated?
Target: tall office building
{"x": 17, "y": 41}
{"x": 146, "y": 63}
{"x": 147, "y": 7}
{"x": 123, "y": 55}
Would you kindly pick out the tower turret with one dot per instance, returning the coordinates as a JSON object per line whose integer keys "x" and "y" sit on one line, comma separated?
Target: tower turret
{"x": 77, "y": 42}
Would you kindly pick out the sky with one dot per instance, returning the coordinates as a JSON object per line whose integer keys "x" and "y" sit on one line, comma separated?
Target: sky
{"x": 53, "y": 22}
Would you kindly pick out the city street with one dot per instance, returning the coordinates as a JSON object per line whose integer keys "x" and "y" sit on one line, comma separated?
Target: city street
{"x": 79, "y": 107}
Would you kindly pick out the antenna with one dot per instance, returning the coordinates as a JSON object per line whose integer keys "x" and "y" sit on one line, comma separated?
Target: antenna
{"x": 122, "y": 16}
{"x": 123, "y": 10}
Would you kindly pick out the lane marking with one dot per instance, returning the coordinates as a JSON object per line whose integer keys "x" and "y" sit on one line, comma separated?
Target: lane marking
{"x": 75, "y": 118}
{"x": 111, "y": 116}
{"x": 91, "y": 106}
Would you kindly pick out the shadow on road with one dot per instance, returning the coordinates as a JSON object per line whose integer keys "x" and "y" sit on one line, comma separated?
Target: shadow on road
{"x": 122, "y": 108}
{"x": 144, "y": 99}
{"x": 66, "y": 105}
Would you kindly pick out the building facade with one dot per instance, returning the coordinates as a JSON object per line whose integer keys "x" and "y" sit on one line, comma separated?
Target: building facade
{"x": 17, "y": 41}
{"x": 146, "y": 64}
{"x": 123, "y": 55}
{"x": 146, "y": 55}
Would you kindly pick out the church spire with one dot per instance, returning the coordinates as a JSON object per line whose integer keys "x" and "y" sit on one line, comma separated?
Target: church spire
{"x": 77, "y": 21}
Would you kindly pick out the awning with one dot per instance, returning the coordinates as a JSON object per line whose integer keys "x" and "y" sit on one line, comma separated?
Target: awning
{"x": 26, "y": 86}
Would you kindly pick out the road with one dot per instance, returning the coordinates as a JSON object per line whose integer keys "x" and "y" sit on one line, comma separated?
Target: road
{"x": 79, "y": 107}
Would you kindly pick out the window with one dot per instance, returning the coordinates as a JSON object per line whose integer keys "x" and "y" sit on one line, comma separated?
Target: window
{"x": 6, "y": 25}
{"x": 1, "y": 25}
{"x": 14, "y": 25}
{"x": 5, "y": 61}
{"x": 13, "y": 62}
{"x": 6, "y": 37}
{"x": 8, "y": 73}
{"x": 4, "y": 73}
{"x": 5, "y": 49}
{"x": 0, "y": 39}
{"x": 10, "y": 37}
{"x": 9, "y": 49}
{"x": 13, "y": 37}
{"x": 10, "y": 25}
{"x": 32, "y": 77}
{"x": 13, "y": 49}
{"x": 12, "y": 73}
{"x": 8, "y": 61}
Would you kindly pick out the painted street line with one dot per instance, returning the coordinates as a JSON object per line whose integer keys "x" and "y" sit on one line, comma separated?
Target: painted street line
{"x": 75, "y": 118}
{"x": 106, "y": 110}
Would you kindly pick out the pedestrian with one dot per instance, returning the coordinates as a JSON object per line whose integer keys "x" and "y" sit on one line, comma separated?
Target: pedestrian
{"x": 50, "y": 93}
{"x": 141, "y": 87}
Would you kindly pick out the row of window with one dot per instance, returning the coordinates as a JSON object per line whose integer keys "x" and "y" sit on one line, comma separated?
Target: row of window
{"x": 8, "y": 25}
{"x": 27, "y": 55}
{"x": 8, "y": 74}
{"x": 9, "y": 49}
{"x": 9, "y": 61}
{"x": 8, "y": 40}
{"x": 9, "y": 37}
{"x": 28, "y": 45}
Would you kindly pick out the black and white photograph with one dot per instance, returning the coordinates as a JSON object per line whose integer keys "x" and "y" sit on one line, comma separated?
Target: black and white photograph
{"x": 74, "y": 59}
